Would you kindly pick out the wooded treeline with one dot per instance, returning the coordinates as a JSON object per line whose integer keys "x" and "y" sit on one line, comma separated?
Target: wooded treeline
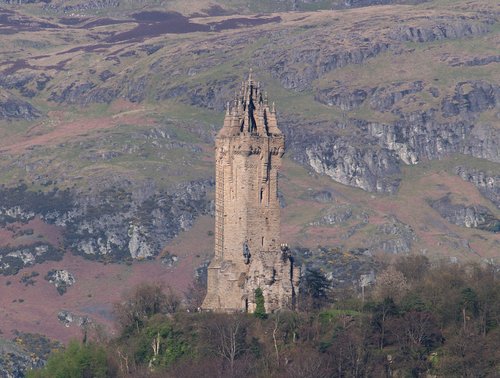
{"x": 418, "y": 320}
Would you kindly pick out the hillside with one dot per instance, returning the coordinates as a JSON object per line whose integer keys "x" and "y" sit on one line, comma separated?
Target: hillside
{"x": 108, "y": 113}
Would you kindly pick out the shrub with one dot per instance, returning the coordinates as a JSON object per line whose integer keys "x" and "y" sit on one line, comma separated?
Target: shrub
{"x": 260, "y": 309}
{"x": 76, "y": 361}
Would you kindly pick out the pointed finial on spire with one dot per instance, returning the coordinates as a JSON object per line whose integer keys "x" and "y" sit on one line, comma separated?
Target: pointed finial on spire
{"x": 227, "y": 108}
{"x": 274, "y": 108}
{"x": 250, "y": 75}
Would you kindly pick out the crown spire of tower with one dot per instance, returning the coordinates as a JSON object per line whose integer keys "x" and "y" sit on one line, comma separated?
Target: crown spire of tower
{"x": 250, "y": 112}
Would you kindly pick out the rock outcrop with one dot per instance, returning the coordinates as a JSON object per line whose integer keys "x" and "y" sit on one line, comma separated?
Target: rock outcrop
{"x": 471, "y": 97}
{"x": 13, "y": 259}
{"x": 475, "y": 216}
{"x": 393, "y": 237}
{"x": 15, "y": 360}
{"x": 342, "y": 268}
{"x": 13, "y": 108}
{"x": 367, "y": 168}
{"x": 69, "y": 318}
{"x": 436, "y": 29}
{"x": 334, "y": 215}
{"x": 61, "y": 279}
{"x": 381, "y": 98}
{"x": 91, "y": 5}
{"x": 487, "y": 182}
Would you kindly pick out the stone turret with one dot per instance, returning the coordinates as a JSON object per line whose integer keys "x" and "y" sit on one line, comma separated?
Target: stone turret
{"x": 248, "y": 251}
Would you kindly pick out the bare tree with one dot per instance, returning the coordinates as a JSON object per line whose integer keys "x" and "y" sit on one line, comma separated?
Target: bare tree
{"x": 391, "y": 283}
{"x": 142, "y": 302}
{"x": 123, "y": 361}
{"x": 227, "y": 334}
{"x": 413, "y": 267}
{"x": 308, "y": 364}
{"x": 172, "y": 301}
{"x": 195, "y": 295}
{"x": 275, "y": 340}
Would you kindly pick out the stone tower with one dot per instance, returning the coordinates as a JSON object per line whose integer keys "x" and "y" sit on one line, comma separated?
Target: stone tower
{"x": 248, "y": 253}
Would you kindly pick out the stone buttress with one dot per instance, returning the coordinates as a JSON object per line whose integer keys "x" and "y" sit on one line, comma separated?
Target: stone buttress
{"x": 248, "y": 253}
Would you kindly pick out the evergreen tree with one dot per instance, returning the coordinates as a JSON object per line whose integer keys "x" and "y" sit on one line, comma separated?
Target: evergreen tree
{"x": 260, "y": 309}
{"x": 315, "y": 288}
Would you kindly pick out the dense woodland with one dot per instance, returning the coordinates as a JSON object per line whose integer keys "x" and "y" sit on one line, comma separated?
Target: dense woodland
{"x": 418, "y": 320}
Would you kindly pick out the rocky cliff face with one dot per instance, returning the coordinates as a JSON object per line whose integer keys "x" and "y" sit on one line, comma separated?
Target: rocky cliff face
{"x": 412, "y": 137}
{"x": 471, "y": 97}
{"x": 297, "y": 68}
{"x": 118, "y": 224}
{"x": 113, "y": 224}
{"x": 422, "y": 129}
{"x": 370, "y": 169}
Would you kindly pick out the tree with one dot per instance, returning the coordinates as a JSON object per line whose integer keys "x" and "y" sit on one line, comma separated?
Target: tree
{"x": 390, "y": 283}
{"x": 470, "y": 355}
{"x": 306, "y": 362}
{"x": 77, "y": 361}
{"x": 349, "y": 352}
{"x": 315, "y": 289}
{"x": 226, "y": 335}
{"x": 195, "y": 295}
{"x": 381, "y": 314}
{"x": 487, "y": 288}
{"x": 415, "y": 333}
{"x": 441, "y": 291}
{"x": 172, "y": 302}
{"x": 468, "y": 304}
{"x": 260, "y": 309}
{"x": 142, "y": 302}
{"x": 413, "y": 267}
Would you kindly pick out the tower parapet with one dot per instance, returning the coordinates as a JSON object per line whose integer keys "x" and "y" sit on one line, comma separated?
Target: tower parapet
{"x": 248, "y": 252}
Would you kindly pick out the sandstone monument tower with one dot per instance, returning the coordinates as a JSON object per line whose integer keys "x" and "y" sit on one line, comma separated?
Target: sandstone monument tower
{"x": 248, "y": 253}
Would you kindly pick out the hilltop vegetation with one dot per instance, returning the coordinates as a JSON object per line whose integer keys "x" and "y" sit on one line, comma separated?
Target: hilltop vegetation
{"x": 417, "y": 320}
